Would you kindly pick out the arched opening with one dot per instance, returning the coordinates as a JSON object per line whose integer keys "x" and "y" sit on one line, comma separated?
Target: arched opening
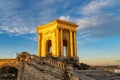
{"x": 48, "y": 48}
{"x": 8, "y": 73}
{"x": 65, "y": 48}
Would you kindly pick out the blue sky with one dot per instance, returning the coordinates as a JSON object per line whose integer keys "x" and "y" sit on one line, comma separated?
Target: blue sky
{"x": 98, "y": 34}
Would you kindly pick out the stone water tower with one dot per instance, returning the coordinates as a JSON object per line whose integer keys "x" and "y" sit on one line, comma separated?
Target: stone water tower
{"x": 57, "y": 38}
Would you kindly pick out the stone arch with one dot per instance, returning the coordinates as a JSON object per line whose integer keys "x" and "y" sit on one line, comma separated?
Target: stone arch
{"x": 10, "y": 65}
{"x": 65, "y": 47}
{"x": 9, "y": 72}
{"x": 48, "y": 47}
{"x": 57, "y": 31}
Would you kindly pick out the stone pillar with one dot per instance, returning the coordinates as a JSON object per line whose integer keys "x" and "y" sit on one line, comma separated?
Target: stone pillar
{"x": 61, "y": 40}
{"x": 54, "y": 47}
{"x": 44, "y": 53}
{"x": 39, "y": 46}
{"x": 75, "y": 48}
{"x": 43, "y": 48}
{"x": 57, "y": 42}
{"x": 71, "y": 44}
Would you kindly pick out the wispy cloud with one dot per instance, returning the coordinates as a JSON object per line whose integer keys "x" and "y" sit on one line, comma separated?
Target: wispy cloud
{"x": 31, "y": 37}
{"x": 17, "y": 30}
{"x": 98, "y": 20}
{"x": 96, "y": 7}
{"x": 65, "y": 18}
{"x": 20, "y": 18}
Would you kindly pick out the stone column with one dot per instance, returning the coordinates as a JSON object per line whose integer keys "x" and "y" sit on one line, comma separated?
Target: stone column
{"x": 43, "y": 48}
{"x": 75, "y": 48}
{"x": 71, "y": 44}
{"x": 57, "y": 42}
{"x": 44, "y": 53}
{"x": 39, "y": 46}
{"x": 61, "y": 40}
{"x": 54, "y": 49}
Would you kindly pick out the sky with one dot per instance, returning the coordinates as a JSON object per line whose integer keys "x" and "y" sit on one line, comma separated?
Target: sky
{"x": 98, "y": 32}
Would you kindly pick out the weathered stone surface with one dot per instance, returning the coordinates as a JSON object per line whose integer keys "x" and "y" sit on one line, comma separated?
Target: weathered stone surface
{"x": 58, "y": 35}
{"x": 40, "y": 69}
{"x": 9, "y": 62}
{"x": 36, "y": 68}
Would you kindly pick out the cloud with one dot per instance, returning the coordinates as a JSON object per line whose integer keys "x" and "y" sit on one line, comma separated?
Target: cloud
{"x": 98, "y": 20}
{"x": 21, "y": 17}
{"x": 101, "y": 24}
{"x": 96, "y": 6}
{"x": 32, "y": 38}
{"x": 67, "y": 18}
{"x": 18, "y": 18}
{"x": 17, "y": 30}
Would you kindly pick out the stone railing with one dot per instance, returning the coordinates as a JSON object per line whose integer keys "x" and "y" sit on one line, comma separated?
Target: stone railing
{"x": 55, "y": 63}
{"x": 48, "y": 61}
{"x": 52, "y": 67}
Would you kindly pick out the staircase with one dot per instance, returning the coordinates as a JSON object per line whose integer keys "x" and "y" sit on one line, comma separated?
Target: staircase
{"x": 34, "y": 68}
{"x": 42, "y": 70}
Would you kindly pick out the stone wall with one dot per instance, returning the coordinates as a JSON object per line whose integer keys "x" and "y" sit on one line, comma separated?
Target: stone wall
{"x": 9, "y": 62}
{"x": 34, "y": 68}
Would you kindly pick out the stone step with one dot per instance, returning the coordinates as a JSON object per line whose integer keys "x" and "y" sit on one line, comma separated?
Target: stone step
{"x": 43, "y": 71}
{"x": 33, "y": 71}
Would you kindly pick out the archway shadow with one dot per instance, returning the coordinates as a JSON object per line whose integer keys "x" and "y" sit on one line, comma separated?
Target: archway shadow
{"x": 8, "y": 73}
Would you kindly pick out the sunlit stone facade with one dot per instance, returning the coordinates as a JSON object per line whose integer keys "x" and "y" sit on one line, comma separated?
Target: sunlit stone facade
{"x": 57, "y": 38}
